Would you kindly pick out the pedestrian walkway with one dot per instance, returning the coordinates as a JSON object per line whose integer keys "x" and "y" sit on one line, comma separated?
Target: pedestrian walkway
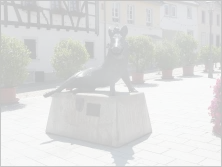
{"x": 178, "y": 109}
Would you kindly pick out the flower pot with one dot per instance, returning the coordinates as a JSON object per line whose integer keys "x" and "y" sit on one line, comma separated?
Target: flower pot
{"x": 188, "y": 70}
{"x": 138, "y": 78}
{"x": 8, "y": 95}
{"x": 217, "y": 129}
{"x": 207, "y": 69}
{"x": 167, "y": 74}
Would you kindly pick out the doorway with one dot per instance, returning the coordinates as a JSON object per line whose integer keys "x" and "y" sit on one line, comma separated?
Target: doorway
{"x": 90, "y": 48}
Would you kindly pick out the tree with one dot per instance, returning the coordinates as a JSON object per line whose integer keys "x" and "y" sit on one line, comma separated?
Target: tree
{"x": 141, "y": 51}
{"x": 69, "y": 57}
{"x": 187, "y": 49}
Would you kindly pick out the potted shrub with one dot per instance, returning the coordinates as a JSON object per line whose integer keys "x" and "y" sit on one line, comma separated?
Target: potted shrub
{"x": 69, "y": 57}
{"x": 166, "y": 55}
{"x": 205, "y": 53}
{"x": 141, "y": 51}
{"x": 14, "y": 59}
{"x": 187, "y": 52}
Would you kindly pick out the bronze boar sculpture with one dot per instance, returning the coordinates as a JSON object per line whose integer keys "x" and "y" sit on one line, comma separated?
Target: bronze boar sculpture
{"x": 113, "y": 68}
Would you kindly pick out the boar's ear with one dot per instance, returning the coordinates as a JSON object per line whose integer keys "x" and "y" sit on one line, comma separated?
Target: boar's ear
{"x": 124, "y": 31}
{"x": 110, "y": 32}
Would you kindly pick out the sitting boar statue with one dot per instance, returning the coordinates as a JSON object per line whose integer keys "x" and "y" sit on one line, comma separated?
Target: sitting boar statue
{"x": 113, "y": 69}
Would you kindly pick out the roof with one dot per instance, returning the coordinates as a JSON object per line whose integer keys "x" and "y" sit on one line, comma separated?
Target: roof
{"x": 187, "y": 2}
{"x": 155, "y": 2}
{"x": 153, "y": 36}
{"x": 190, "y": 2}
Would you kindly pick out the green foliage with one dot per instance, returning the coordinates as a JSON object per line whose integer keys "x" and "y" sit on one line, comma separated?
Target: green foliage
{"x": 214, "y": 53}
{"x": 69, "y": 57}
{"x": 141, "y": 51}
{"x": 166, "y": 55}
{"x": 187, "y": 46}
{"x": 14, "y": 58}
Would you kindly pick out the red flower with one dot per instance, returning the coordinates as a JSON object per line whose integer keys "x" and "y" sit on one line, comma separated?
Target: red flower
{"x": 216, "y": 108}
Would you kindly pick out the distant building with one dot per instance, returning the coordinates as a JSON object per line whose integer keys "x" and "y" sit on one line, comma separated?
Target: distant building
{"x": 179, "y": 16}
{"x": 204, "y": 23}
{"x": 141, "y": 17}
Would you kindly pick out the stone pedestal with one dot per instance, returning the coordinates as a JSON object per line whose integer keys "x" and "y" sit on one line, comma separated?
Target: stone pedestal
{"x": 99, "y": 118}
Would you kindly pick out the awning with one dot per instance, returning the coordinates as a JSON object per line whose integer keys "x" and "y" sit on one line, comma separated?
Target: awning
{"x": 153, "y": 36}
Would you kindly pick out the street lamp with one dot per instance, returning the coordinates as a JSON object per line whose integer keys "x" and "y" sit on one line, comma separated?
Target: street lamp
{"x": 210, "y": 62}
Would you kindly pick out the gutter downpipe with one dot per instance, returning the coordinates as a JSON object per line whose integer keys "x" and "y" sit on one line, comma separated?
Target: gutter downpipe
{"x": 104, "y": 8}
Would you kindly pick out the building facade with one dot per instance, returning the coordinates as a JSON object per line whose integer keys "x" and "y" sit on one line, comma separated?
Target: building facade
{"x": 141, "y": 17}
{"x": 204, "y": 23}
{"x": 42, "y": 27}
{"x": 41, "y": 30}
{"x": 179, "y": 16}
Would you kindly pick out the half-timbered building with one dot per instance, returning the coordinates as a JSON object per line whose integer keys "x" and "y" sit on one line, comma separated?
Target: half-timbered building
{"x": 41, "y": 24}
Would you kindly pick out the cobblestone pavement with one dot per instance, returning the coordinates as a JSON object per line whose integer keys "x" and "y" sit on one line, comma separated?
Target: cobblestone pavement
{"x": 178, "y": 109}
{"x": 39, "y": 89}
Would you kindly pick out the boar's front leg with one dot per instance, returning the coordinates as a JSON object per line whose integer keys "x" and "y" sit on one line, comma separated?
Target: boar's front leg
{"x": 112, "y": 89}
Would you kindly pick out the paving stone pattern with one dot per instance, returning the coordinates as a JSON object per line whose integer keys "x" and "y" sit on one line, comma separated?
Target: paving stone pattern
{"x": 178, "y": 109}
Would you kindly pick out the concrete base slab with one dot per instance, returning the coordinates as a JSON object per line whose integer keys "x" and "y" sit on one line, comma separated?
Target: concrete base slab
{"x": 99, "y": 118}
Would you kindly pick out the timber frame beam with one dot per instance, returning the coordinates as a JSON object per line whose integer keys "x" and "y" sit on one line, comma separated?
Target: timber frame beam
{"x": 19, "y": 9}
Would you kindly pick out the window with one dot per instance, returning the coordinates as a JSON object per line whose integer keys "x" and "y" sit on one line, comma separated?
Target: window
{"x": 190, "y": 32}
{"x": 115, "y": 12}
{"x": 170, "y": 10}
{"x": 130, "y": 14}
{"x": 203, "y": 39}
{"x": 218, "y": 20}
{"x": 31, "y": 44}
{"x": 218, "y": 41}
{"x": 173, "y": 10}
{"x": 74, "y": 5}
{"x": 189, "y": 12}
{"x": 90, "y": 48}
{"x": 166, "y": 10}
{"x": 203, "y": 17}
{"x": 148, "y": 17}
{"x": 56, "y": 5}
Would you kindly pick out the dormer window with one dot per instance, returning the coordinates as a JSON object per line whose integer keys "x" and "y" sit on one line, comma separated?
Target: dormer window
{"x": 56, "y": 5}
{"x": 74, "y": 5}
{"x": 28, "y": 3}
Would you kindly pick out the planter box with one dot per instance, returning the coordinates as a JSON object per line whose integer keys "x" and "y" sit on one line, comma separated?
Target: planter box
{"x": 8, "y": 95}
{"x": 167, "y": 74}
{"x": 137, "y": 78}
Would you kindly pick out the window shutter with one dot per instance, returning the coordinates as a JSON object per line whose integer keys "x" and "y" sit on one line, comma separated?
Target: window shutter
{"x": 212, "y": 39}
{"x": 151, "y": 16}
{"x": 128, "y": 15}
{"x": 218, "y": 41}
{"x": 207, "y": 39}
{"x": 203, "y": 17}
{"x": 187, "y": 12}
